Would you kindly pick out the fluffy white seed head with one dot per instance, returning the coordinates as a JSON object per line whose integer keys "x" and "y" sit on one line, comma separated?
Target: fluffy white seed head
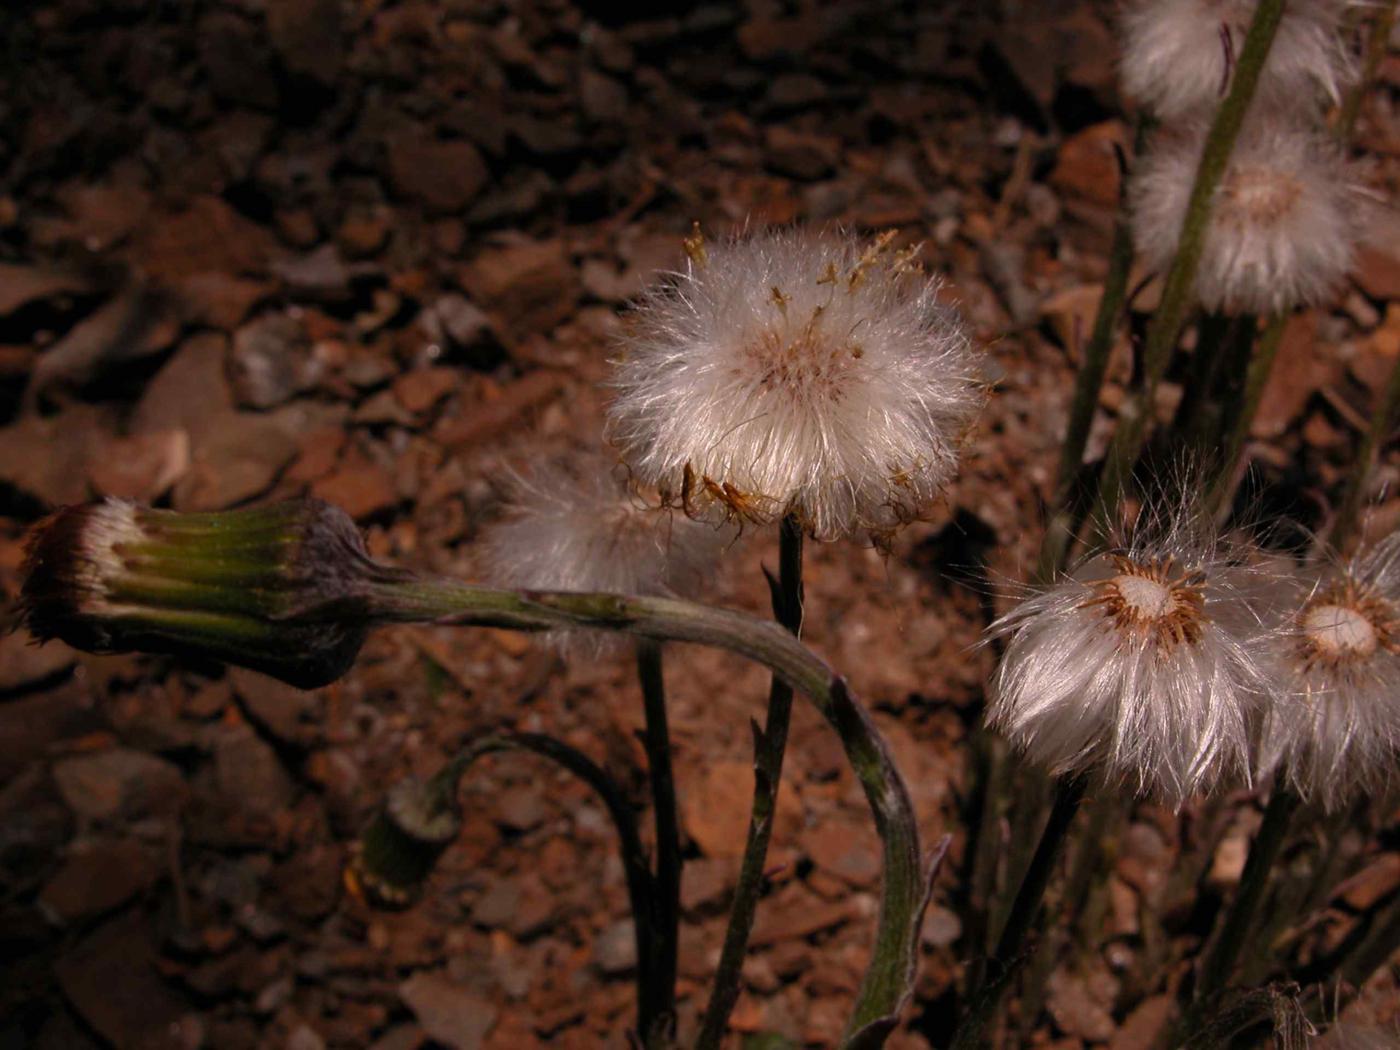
{"x": 1333, "y": 726}
{"x": 795, "y": 372}
{"x": 581, "y": 527}
{"x": 1141, "y": 664}
{"x": 1178, "y": 55}
{"x": 1284, "y": 223}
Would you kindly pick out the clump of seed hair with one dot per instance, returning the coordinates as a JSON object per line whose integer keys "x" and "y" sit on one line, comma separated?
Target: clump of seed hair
{"x": 1285, "y": 221}
{"x": 1333, "y": 726}
{"x": 1142, "y": 664}
{"x": 1178, "y": 55}
{"x": 799, "y": 373}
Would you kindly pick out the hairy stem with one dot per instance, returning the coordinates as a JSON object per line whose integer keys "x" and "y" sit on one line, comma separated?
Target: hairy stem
{"x": 667, "y": 897}
{"x": 770, "y": 744}
{"x": 1010, "y": 954}
{"x": 1178, "y": 292}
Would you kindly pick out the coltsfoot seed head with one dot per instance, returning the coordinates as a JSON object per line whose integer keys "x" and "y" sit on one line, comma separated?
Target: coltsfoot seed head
{"x": 1178, "y": 55}
{"x": 580, "y": 526}
{"x": 1333, "y": 728}
{"x": 796, "y": 373}
{"x": 1142, "y": 664}
{"x": 1284, "y": 225}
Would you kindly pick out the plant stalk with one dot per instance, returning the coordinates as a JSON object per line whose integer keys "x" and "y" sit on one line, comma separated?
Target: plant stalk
{"x": 667, "y": 896}
{"x": 1382, "y": 422}
{"x": 1243, "y": 404}
{"x": 1377, "y": 42}
{"x": 1178, "y": 293}
{"x": 1010, "y": 954}
{"x": 770, "y": 744}
{"x": 1220, "y": 959}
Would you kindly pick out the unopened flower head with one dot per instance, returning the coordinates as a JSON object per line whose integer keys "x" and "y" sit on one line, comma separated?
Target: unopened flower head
{"x": 581, "y": 527}
{"x": 1141, "y": 664}
{"x": 1333, "y": 728}
{"x": 796, "y": 373}
{"x": 283, "y": 589}
{"x": 1284, "y": 223}
{"x": 1178, "y": 55}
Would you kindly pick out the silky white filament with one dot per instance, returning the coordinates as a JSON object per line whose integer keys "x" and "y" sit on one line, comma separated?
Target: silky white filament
{"x": 581, "y": 527}
{"x": 1284, "y": 225}
{"x": 1142, "y": 664}
{"x": 1333, "y": 728}
{"x": 796, "y": 373}
{"x": 1178, "y": 55}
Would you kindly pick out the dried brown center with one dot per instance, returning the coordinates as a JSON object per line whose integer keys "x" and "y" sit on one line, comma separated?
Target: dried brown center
{"x": 1259, "y": 195}
{"x": 800, "y": 358}
{"x": 1147, "y": 597}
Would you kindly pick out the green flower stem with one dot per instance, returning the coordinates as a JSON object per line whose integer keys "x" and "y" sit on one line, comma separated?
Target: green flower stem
{"x": 1105, "y": 812}
{"x": 987, "y": 851}
{"x": 1377, "y": 41}
{"x": 1010, "y": 954}
{"x": 1198, "y": 414}
{"x": 1178, "y": 292}
{"x": 667, "y": 898}
{"x": 1220, "y": 960}
{"x": 1243, "y": 405}
{"x": 769, "y": 747}
{"x": 888, "y": 981}
{"x": 1088, "y": 385}
{"x": 1382, "y": 422}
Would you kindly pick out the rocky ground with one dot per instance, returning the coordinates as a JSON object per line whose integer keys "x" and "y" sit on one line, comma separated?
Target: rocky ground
{"x": 376, "y": 252}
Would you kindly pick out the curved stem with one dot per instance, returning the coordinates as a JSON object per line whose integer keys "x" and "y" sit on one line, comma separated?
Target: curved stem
{"x": 667, "y": 896}
{"x": 436, "y": 799}
{"x": 403, "y": 598}
{"x": 770, "y": 744}
{"x": 1009, "y": 955}
{"x": 1178, "y": 293}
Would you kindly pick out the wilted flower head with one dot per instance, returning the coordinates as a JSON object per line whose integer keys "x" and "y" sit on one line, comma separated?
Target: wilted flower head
{"x": 796, "y": 373}
{"x": 1142, "y": 663}
{"x": 1333, "y": 728}
{"x": 1178, "y": 55}
{"x": 1284, "y": 223}
{"x": 580, "y": 527}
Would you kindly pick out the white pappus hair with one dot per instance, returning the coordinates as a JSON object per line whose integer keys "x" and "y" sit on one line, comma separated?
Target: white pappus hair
{"x": 1333, "y": 727}
{"x": 796, "y": 373}
{"x": 1177, "y": 54}
{"x": 1285, "y": 220}
{"x": 1141, "y": 664}
{"x": 579, "y": 526}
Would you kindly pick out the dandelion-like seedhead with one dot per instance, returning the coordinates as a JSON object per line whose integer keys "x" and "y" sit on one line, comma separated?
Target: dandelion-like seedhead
{"x": 1333, "y": 728}
{"x": 1284, "y": 223}
{"x": 796, "y": 373}
{"x": 1178, "y": 54}
{"x": 1142, "y": 664}
{"x": 581, "y": 527}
